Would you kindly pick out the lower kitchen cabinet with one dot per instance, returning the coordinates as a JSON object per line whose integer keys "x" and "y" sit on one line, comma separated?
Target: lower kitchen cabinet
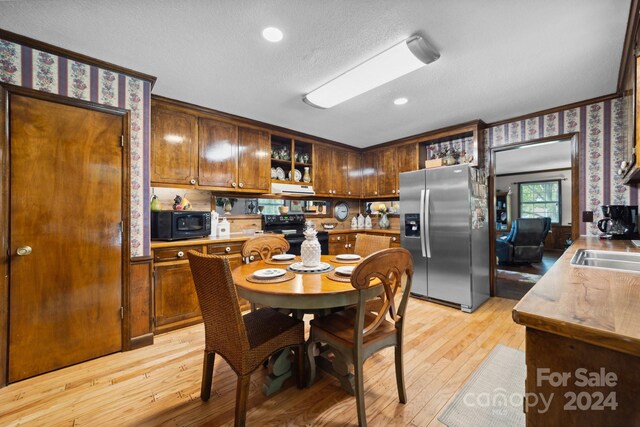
{"x": 175, "y": 298}
{"x": 344, "y": 243}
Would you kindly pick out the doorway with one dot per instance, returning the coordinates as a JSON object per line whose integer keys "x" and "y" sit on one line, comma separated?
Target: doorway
{"x": 66, "y": 234}
{"x": 537, "y": 179}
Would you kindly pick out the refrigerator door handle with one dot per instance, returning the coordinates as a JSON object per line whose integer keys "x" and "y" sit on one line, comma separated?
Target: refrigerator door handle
{"x": 427, "y": 240}
{"x": 422, "y": 235}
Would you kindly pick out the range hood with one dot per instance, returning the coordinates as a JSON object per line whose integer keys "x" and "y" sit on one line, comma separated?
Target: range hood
{"x": 292, "y": 189}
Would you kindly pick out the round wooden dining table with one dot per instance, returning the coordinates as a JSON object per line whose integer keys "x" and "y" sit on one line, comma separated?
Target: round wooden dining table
{"x": 306, "y": 292}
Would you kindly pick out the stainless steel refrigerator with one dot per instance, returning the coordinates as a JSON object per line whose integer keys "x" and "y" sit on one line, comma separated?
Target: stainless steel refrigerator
{"x": 443, "y": 223}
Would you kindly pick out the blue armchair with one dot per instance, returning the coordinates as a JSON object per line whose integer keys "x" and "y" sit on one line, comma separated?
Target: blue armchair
{"x": 525, "y": 243}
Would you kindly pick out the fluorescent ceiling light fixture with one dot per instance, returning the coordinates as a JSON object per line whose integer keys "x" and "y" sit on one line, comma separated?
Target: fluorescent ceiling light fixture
{"x": 272, "y": 34}
{"x": 400, "y": 101}
{"x": 401, "y": 59}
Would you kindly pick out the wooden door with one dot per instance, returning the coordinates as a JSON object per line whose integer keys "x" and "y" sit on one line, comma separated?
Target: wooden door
{"x": 407, "y": 160}
{"x": 369, "y": 174}
{"x": 322, "y": 170}
{"x": 218, "y": 160}
{"x": 254, "y": 164}
{"x": 174, "y": 146}
{"x": 340, "y": 172}
{"x": 354, "y": 172}
{"x": 66, "y": 205}
{"x": 387, "y": 172}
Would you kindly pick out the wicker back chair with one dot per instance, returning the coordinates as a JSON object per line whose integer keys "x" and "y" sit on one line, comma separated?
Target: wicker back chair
{"x": 356, "y": 333}
{"x": 243, "y": 341}
{"x": 264, "y": 247}
{"x": 366, "y": 244}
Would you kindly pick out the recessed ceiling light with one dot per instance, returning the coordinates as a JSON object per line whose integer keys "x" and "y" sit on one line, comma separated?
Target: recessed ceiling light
{"x": 272, "y": 34}
{"x": 400, "y": 101}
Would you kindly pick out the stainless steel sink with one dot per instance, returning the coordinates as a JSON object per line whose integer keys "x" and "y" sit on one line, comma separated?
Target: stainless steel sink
{"x": 625, "y": 261}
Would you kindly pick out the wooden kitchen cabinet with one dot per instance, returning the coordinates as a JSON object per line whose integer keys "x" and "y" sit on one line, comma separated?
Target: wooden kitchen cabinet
{"x": 369, "y": 174}
{"x": 332, "y": 171}
{"x": 176, "y": 302}
{"x": 354, "y": 174}
{"x": 341, "y": 243}
{"x": 233, "y": 158}
{"x": 387, "y": 172}
{"x": 407, "y": 158}
{"x": 174, "y": 145}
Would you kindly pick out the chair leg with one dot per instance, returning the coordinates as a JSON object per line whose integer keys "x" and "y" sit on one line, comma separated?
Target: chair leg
{"x": 242, "y": 394}
{"x": 207, "y": 374}
{"x": 300, "y": 374}
{"x": 359, "y": 380}
{"x": 402, "y": 392}
{"x": 312, "y": 362}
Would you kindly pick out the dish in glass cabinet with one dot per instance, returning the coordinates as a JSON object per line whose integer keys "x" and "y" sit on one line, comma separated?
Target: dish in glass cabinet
{"x": 274, "y": 173}
{"x": 297, "y": 176}
{"x": 344, "y": 271}
{"x": 280, "y": 173}
{"x": 348, "y": 257}
{"x": 269, "y": 273}
{"x": 283, "y": 257}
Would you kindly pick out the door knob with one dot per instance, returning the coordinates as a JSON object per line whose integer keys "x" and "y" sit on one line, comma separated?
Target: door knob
{"x": 23, "y": 250}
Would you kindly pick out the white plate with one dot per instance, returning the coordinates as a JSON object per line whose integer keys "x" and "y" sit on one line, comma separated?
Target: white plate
{"x": 268, "y": 273}
{"x": 344, "y": 270}
{"x": 348, "y": 257}
{"x": 274, "y": 174}
{"x": 300, "y": 267}
{"x": 298, "y": 175}
{"x": 280, "y": 173}
{"x": 283, "y": 257}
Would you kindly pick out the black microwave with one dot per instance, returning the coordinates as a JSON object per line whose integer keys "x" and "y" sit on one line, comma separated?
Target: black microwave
{"x": 176, "y": 225}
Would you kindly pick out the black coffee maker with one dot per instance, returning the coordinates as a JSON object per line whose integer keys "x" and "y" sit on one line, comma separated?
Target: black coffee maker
{"x": 619, "y": 222}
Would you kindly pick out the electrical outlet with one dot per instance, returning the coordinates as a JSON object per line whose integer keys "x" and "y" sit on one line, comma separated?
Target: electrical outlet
{"x": 587, "y": 216}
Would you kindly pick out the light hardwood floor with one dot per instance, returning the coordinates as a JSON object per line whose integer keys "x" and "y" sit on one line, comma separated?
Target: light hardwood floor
{"x": 160, "y": 384}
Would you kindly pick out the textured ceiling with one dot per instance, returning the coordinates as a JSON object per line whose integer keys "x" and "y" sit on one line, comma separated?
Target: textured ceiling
{"x": 499, "y": 59}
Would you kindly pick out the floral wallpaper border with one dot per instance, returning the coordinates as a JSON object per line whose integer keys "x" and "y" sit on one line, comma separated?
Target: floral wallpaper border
{"x": 602, "y": 140}
{"x": 31, "y": 68}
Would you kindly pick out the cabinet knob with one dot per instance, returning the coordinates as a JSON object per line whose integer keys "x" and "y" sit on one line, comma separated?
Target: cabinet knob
{"x": 233, "y": 184}
{"x": 393, "y": 191}
{"x": 350, "y": 245}
{"x": 180, "y": 254}
{"x": 375, "y": 192}
{"x": 192, "y": 181}
{"x": 393, "y": 238}
{"x": 23, "y": 250}
{"x": 346, "y": 246}
{"x": 398, "y": 191}
{"x": 338, "y": 238}
{"x": 241, "y": 185}
{"x": 349, "y": 192}
{"x": 251, "y": 258}
{"x": 227, "y": 249}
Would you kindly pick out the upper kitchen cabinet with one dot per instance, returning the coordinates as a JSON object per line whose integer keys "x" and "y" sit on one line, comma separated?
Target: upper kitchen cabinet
{"x": 174, "y": 145}
{"x": 233, "y": 158}
{"x": 192, "y": 147}
{"x": 369, "y": 174}
{"x": 337, "y": 172}
{"x": 389, "y": 162}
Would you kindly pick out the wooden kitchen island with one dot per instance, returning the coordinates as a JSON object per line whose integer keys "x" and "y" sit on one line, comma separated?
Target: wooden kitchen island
{"x": 583, "y": 343}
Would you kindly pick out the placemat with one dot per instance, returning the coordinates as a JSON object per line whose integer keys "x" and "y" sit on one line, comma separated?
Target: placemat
{"x": 338, "y": 278}
{"x": 285, "y": 277}
{"x": 346, "y": 261}
{"x": 287, "y": 262}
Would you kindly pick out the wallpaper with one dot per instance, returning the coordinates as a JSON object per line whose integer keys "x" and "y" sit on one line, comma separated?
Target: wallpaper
{"x": 31, "y": 68}
{"x": 602, "y": 143}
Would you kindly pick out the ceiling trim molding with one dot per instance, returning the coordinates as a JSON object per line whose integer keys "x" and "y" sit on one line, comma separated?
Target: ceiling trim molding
{"x": 49, "y": 48}
{"x": 275, "y": 130}
{"x": 629, "y": 46}
{"x": 556, "y": 109}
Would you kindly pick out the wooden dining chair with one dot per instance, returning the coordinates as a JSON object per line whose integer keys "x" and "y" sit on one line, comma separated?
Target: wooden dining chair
{"x": 366, "y": 244}
{"x": 264, "y": 247}
{"x": 243, "y": 341}
{"x": 356, "y": 333}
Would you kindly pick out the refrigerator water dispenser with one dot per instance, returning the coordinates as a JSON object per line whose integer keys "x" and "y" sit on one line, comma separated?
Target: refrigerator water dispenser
{"x": 412, "y": 225}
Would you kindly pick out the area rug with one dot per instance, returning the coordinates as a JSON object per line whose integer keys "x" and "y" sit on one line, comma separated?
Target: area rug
{"x": 516, "y": 276}
{"x": 493, "y": 395}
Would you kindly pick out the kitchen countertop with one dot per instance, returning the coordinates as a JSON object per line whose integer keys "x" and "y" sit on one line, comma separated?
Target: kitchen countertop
{"x": 594, "y": 305}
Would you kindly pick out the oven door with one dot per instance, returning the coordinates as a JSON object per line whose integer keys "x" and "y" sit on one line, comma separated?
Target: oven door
{"x": 296, "y": 243}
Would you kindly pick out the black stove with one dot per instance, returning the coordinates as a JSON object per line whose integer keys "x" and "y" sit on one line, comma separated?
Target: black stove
{"x": 292, "y": 227}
